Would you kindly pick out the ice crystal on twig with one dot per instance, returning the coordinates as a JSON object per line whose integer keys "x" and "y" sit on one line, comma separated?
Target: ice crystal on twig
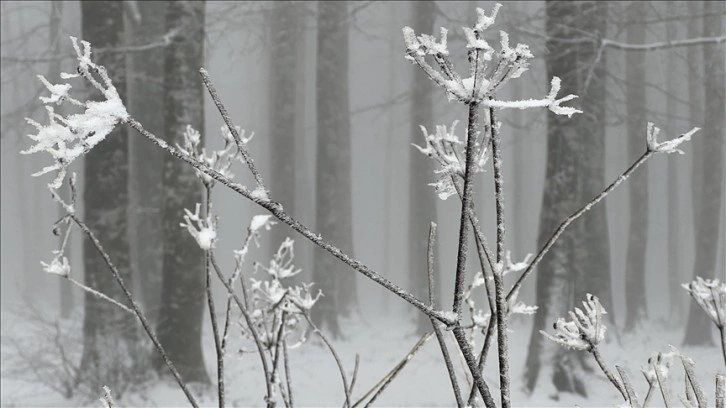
{"x": 669, "y": 146}
{"x": 710, "y": 294}
{"x": 66, "y": 138}
{"x": 204, "y": 230}
{"x": 584, "y": 331}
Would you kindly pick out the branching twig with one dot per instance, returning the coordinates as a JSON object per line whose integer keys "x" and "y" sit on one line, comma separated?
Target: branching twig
{"x": 628, "y": 385}
{"x": 141, "y": 316}
{"x": 333, "y": 352}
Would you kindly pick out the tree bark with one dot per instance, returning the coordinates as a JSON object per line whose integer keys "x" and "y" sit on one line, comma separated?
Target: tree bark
{"x": 108, "y": 332}
{"x": 562, "y": 195}
{"x": 635, "y": 282}
{"x": 333, "y": 181}
{"x": 146, "y": 101}
{"x": 708, "y": 172}
{"x": 286, "y": 38}
{"x": 183, "y": 297}
{"x": 422, "y": 199}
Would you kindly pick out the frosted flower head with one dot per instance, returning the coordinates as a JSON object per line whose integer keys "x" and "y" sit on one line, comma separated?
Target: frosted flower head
{"x": 661, "y": 362}
{"x": 710, "y": 294}
{"x": 669, "y": 146}
{"x": 218, "y": 160}
{"x": 66, "y": 138}
{"x": 281, "y": 265}
{"x": 204, "y": 231}
{"x": 585, "y": 331}
{"x": 57, "y": 266}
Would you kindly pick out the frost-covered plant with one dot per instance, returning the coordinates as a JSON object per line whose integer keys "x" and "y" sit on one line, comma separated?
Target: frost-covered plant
{"x": 585, "y": 330}
{"x": 202, "y": 229}
{"x": 710, "y": 294}
{"x": 66, "y": 138}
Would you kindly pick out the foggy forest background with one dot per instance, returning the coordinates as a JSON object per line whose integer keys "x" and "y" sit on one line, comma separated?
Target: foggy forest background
{"x": 335, "y": 108}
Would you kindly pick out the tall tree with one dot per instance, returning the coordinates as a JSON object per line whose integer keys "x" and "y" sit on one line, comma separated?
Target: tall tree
{"x": 107, "y": 331}
{"x": 56, "y": 15}
{"x": 146, "y": 101}
{"x": 635, "y": 287}
{"x": 593, "y": 267}
{"x": 422, "y": 200}
{"x": 562, "y": 195}
{"x": 286, "y": 38}
{"x": 708, "y": 170}
{"x": 674, "y": 186}
{"x": 183, "y": 298}
{"x": 333, "y": 181}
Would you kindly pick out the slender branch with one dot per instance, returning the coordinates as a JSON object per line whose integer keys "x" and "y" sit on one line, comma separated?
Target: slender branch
{"x": 662, "y": 386}
{"x": 335, "y": 356}
{"x": 501, "y": 310}
{"x": 277, "y": 211}
{"x": 250, "y": 325}
{"x": 225, "y": 115}
{"x": 691, "y": 378}
{"x": 288, "y": 379}
{"x": 477, "y": 375}
{"x": 465, "y": 202}
{"x": 100, "y": 295}
{"x": 577, "y": 214}
{"x": 720, "y": 391}
{"x": 437, "y": 329}
{"x": 596, "y": 353}
{"x": 399, "y": 367}
{"x": 355, "y": 373}
{"x": 663, "y": 44}
{"x": 137, "y": 310}
{"x": 212, "y": 309}
{"x": 628, "y": 385}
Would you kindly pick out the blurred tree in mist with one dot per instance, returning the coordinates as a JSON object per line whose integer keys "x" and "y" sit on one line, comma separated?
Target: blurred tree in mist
{"x": 183, "y": 297}
{"x": 146, "y": 103}
{"x": 708, "y": 178}
{"x": 421, "y": 199}
{"x": 333, "y": 162}
{"x": 635, "y": 281}
{"x": 105, "y": 199}
{"x": 286, "y": 37}
{"x": 579, "y": 262}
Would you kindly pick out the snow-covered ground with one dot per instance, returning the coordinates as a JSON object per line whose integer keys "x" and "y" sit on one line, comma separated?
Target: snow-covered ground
{"x": 381, "y": 343}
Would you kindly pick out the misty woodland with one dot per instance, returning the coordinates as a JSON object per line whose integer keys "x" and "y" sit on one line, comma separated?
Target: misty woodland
{"x": 188, "y": 270}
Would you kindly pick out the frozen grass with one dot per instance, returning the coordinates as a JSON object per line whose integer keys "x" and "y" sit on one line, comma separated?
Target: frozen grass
{"x": 381, "y": 344}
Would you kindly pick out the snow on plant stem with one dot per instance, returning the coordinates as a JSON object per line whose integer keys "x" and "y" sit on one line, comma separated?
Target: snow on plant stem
{"x": 66, "y": 138}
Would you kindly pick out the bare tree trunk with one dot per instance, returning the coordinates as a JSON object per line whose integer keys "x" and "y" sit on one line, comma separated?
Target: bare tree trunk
{"x": 56, "y": 16}
{"x": 675, "y": 189}
{"x": 146, "y": 101}
{"x": 561, "y": 196}
{"x": 422, "y": 200}
{"x": 285, "y": 40}
{"x": 333, "y": 189}
{"x": 708, "y": 170}
{"x": 183, "y": 297}
{"x": 108, "y": 332}
{"x": 593, "y": 273}
{"x": 635, "y": 287}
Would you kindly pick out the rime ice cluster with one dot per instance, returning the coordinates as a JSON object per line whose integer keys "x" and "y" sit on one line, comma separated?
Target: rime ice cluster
{"x": 66, "y": 138}
{"x": 710, "y": 294}
{"x": 584, "y": 331}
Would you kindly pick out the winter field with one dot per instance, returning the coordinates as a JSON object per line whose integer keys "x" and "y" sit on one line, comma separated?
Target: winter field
{"x": 381, "y": 343}
{"x": 401, "y": 204}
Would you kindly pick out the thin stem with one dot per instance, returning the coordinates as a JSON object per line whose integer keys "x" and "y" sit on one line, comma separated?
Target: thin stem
{"x": 465, "y": 203}
{"x": 577, "y": 214}
{"x": 238, "y": 140}
{"x": 722, "y": 330}
{"x": 100, "y": 295}
{"x": 596, "y": 353}
{"x": 140, "y": 314}
{"x": 288, "y": 379}
{"x": 720, "y": 391}
{"x": 355, "y": 373}
{"x": 335, "y": 356}
{"x": 662, "y": 386}
{"x": 280, "y": 214}
{"x": 693, "y": 381}
{"x": 437, "y": 329}
{"x": 477, "y": 375}
{"x": 399, "y": 367}
{"x": 501, "y": 310}
{"x": 253, "y": 331}
{"x": 628, "y": 385}
{"x": 212, "y": 310}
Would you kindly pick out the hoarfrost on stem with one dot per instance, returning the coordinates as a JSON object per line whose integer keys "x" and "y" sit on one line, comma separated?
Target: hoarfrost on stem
{"x": 204, "y": 230}
{"x": 710, "y": 294}
{"x": 584, "y": 331}
{"x": 66, "y": 138}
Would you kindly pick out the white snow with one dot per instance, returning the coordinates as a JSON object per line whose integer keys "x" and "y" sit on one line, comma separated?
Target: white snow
{"x": 204, "y": 231}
